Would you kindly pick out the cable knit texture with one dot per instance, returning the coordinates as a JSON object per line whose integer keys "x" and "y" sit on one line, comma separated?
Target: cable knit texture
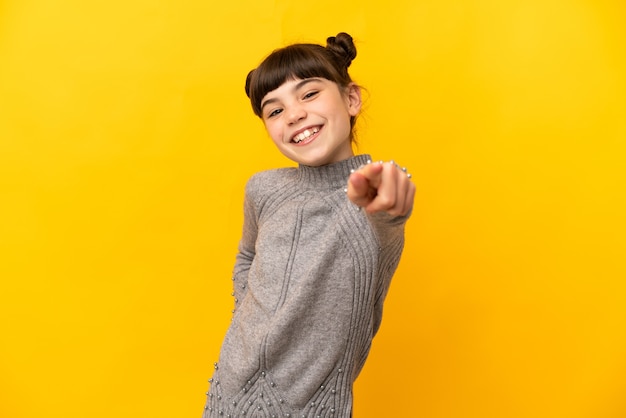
{"x": 310, "y": 278}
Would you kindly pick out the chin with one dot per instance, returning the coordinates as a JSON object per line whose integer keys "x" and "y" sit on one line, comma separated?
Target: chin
{"x": 310, "y": 161}
{"x": 315, "y": 162}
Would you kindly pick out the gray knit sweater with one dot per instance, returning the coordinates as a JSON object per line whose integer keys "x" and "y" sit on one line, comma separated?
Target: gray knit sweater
{"x": 310, "y": 279}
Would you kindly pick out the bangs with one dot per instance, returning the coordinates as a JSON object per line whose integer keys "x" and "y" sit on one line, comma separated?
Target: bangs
{"x": 293, "y": 62}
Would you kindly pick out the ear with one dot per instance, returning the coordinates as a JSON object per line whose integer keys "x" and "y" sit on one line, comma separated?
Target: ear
{"x": 353, "y": 99}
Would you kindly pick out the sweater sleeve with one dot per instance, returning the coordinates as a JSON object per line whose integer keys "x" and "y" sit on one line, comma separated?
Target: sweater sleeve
{"x": 390, "y": 232}
{"x": 388, "y": 228}
{"x": 246, "y": 249}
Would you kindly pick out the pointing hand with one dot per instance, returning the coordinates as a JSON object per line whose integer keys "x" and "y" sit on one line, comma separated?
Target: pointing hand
{"x": 382, "y": 187}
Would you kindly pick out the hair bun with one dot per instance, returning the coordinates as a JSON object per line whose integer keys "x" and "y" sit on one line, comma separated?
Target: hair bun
{"x": 342, "y": 47}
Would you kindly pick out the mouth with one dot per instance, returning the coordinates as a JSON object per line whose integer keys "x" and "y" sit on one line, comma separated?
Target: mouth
{"x": 306, "y": 134}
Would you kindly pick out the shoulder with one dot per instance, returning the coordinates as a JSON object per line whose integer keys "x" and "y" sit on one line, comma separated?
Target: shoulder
{"x": 265, "y": 182}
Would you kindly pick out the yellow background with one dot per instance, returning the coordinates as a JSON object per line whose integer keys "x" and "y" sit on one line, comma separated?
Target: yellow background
{"x": 126, "y": 140}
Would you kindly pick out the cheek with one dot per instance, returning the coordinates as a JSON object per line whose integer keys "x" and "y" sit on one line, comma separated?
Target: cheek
{"x": 274, "y": 132}
{"x": 344, "y": 122}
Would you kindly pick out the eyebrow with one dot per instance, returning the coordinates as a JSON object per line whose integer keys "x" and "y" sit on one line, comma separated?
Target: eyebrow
{"x": 295, "y": 88}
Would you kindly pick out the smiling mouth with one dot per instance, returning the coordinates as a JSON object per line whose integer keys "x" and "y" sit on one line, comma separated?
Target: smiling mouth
{"x": 305, "y": 134}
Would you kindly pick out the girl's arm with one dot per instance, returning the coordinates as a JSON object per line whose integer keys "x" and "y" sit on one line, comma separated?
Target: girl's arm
{"x": 246, "y": 252}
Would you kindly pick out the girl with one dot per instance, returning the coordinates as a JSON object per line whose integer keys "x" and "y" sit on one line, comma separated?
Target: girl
{"x": 313, "y": 269}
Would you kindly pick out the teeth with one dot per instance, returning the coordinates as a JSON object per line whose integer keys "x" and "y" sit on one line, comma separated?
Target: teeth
{"x": 304, "y": 135}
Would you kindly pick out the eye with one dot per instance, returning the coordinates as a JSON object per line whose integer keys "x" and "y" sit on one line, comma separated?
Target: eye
{"x": 310, "y": 94}
{"x": 274, "y": 113}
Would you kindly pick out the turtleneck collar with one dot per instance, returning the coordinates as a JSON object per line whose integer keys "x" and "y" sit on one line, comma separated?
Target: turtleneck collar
{"x": 330, "y": 176}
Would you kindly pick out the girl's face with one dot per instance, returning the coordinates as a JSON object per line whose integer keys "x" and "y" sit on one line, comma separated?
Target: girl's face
{"x": 309, "y": 120}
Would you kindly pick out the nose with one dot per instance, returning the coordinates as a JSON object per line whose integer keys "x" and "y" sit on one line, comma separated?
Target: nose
{"x": 295, "y": 114}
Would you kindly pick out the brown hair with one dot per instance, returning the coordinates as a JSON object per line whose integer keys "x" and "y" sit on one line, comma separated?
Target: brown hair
{"x": 302, "y": 61}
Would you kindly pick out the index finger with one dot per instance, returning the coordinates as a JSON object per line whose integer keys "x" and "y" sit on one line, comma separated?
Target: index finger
{"x": 373, "y": 173}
